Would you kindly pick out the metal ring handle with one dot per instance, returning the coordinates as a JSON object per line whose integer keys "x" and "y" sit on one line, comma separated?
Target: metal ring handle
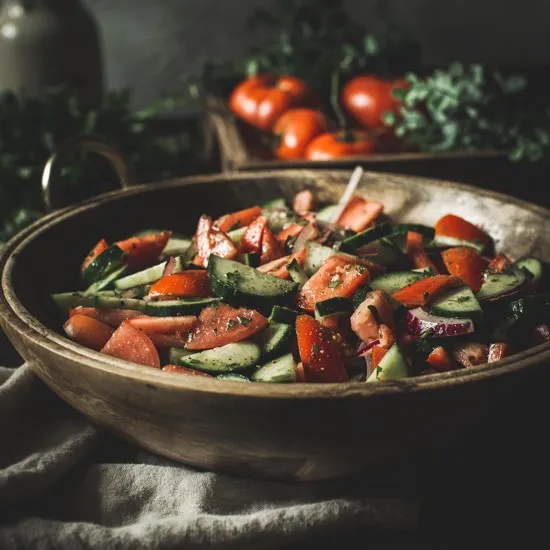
{"x": 92, "y": 144}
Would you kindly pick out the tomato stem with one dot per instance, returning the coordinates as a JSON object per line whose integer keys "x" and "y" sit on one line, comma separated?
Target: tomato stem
{"x": 348, "y": 135}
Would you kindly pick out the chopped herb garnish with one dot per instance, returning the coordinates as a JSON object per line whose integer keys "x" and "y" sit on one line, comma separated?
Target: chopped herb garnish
{"x": 426, "y": 295}
{"x": 426, "y": 334}
{"x": 244, "y": 320}
{"x": 375, "y": 314}
{"x": 233, "y": 277}
{"x": 236, "y": 225}
{"x": 462, "y": 299}
{"x": 303, "y": 223}
{"x": 231, "y": 323}
{"x": 315, "y": 348}
{"x": 293, "y": 264}
{"x": 334, "y": 284}
{"x": 360, "y": 269}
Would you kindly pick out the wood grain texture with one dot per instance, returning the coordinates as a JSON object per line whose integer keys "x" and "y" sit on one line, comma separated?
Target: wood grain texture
{"x": 295, "y": 432}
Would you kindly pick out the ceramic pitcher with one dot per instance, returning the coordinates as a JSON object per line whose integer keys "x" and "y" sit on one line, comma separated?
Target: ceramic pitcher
{"x": 49, "y": 43}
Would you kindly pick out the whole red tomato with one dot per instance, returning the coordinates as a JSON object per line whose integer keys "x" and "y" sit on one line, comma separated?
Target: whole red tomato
{"x": 367, "y": 98}
{"x": 295, "y": 130}
{"x": 344, "y": 143}
{"x": 261, "y": 100}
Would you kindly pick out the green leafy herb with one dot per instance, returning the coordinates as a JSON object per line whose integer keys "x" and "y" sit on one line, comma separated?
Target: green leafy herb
{"x": 334, "y": 284}
{"x": 231, "y": 323}
{"x": 244, "y": 320}
{"x": 315, "y": 348}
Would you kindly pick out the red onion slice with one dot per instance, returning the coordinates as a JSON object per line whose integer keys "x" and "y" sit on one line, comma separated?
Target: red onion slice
{"x": 363, "y": 347}
{"x": 419, "y": 321}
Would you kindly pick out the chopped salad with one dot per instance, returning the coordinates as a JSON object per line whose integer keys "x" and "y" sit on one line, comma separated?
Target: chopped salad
{"x": 280, "y": 293}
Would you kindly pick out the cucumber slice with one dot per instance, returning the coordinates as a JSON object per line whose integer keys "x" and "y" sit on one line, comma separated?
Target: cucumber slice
{"x": 353, "y": 243}
{"x": 387, "y": 252}
{"x": 501, "y": 284}
{"x": 297, "y": 273}
{"x": 442, "y": 241}
{"x": 275, "y": 339}
{"x": 66, "y": 300}
{"x": 327, "y": 213}
{"x": 533, "y": 266}
{"x": 107, "y": 282}
{"x": 279, "y": 371}
{"x": 285, "y": 315}
{"x": 176, "y": 246}
{"x": 111, "y": 259}
{"x": 228, "y": 358}
{"x": 318, "y": 254}
{"x": 143, "y": 232}
{"x": 425, "y": 230}
{"x": 175, "y": 354}
{"x": 333, "y": 306}
{"x": 241, "y": 285}
{"x": 145, "y": 277}
{"x": 176, "y": 308}
{"x": 460, "y": 303}
{"x": 274, "y": 203}
{"x": 278, "y": 218}
{"x": 360, "y": 295}
{"x": 392, "y": 367}
{"x": 251, "y": 259}
{"x": 427, "y": 270}
{"x": 392, "y": 282}
{"x": 237, "y": 234}
{"x": 233, "y": 377}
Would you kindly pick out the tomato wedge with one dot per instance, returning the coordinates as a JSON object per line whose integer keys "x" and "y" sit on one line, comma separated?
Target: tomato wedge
{"x": 222, "y": 324}
{"x": 176, "y": 339}
{"x": 112, "y": 317}
{"x": 419, "y": 256}
{"x": 193, "y": 283}
{"x": 279, "y": 267}
{"x": 163, "y": 325}
{"x": 251, "y": 241}
{"x": 304, "y": 202}
{"x": 338, "y": 276}
{"x": 458, "y": 228}
{"x": 271, "y": 248}
{"x": 466, "y": 264}
{"x": 320, "y": 351}
{"x": 241, "y": 218}
{"x": 131, "y": 344}
{"x": 422, "y": 292}
{"x": 185, "y": 370}
{"x": 378, "y": 353}
{"x": 440, "y": 360}
{"x": 499, "y": 264}
{"x": 359, "y": 213}
{"x": 145, "y": 250}
{"x": 98, "y": 248}
{"x": 292, "y": 230}
{"x": 211, "y": 240}
{"x": 87, "y": 331}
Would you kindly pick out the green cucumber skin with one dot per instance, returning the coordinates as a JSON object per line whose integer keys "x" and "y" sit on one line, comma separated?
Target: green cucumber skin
{"x": 108, "y": 282}
{"x": 239, "y": 356}
{"x": 426, "y": 231}
{"x": 66, "y": 300}
{"x": 177, "y": 308}
{"x": 281, "y": 370}
{"x": 352, "y": 244}
{"x": 534, "y": 266}
{"x": 396, "y": 280}
{"x": 281, "y": 314}
{"x": 238, "y": 292}
{"x": 333, "y": 306}
{"x": 275, "y": 340}
{"x": 297, "y": 273}
{"x": 458, "y": 303}
{"x": 111, "y": 259}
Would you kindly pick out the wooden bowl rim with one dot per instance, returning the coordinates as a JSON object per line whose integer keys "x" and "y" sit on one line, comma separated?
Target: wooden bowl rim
{"x": 18, "y": 318}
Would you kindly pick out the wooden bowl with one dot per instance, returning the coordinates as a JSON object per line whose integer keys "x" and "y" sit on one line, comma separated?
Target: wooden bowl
{"x": 292, "y": 432}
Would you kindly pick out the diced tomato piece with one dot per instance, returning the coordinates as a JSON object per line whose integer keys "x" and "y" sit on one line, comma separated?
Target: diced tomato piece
{"x": 193, "y": 283}
{"x": 466, "y": 264}
{"x": 304, "y": 202}
{"x": 419, "y": 256}
{"x": 499, "y": 264}
{"x": 131, "y": 344}
{"x": 145, "y": 250}
{"x": 278, "y": 268}
{"x": 98, "y": 248}
{"x": 422, "y": 292}
{"x": 497, "y": 352}
{"x": 211, "y": 240}
{"x": 221, "y": 324}
{"x": 375, "y": 311}
{"x": 185, "y": 370}
{"x": 241, "y": 218}
{"x": 386, "y": 336}
{"x": 359, "y": 213}
{"x": 338, "y": 276}
{"x": 271, "y": 249}
{"x": 251, "y": 241}
{"x": 440, "y": 359}
{"x": 174, "y": 340}
{"x": 112, "y": 317}
{"x": 458, "y": 228}
{"x": 320, "y": 351}
{"x": 378, "y": 353}
{"x": 163, "y": 325}
{"x": 87, "y": 331}
{"x": 292, "y": 230}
